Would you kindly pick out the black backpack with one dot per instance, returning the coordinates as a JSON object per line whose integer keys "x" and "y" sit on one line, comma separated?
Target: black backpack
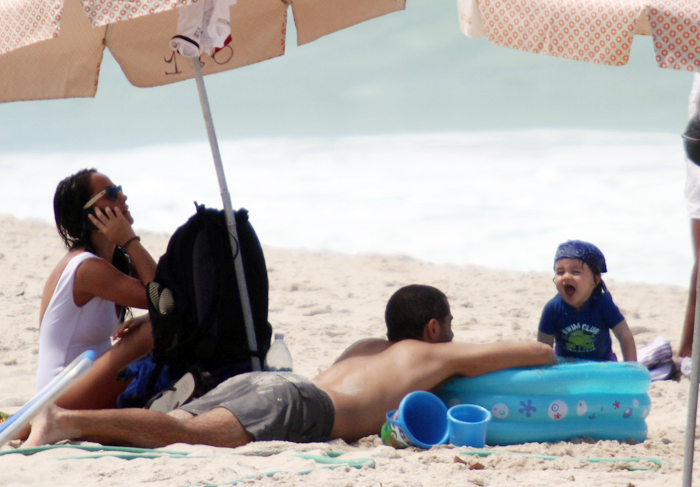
{"x": 198, "y": 322}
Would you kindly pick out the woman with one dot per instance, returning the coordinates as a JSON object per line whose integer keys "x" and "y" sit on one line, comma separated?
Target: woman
{"x": 85, "y": 297}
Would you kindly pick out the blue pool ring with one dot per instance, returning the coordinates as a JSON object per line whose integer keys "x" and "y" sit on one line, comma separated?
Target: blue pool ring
{"x": 597, "y": 400}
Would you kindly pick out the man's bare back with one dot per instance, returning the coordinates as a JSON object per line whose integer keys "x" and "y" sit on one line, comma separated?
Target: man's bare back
{"x": 372, "y": 376}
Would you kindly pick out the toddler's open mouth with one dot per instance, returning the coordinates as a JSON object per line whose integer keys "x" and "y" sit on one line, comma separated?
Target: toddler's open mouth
{"x": 569, "y": 290}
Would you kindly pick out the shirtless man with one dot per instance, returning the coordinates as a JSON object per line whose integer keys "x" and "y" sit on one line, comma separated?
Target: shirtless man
{"x": 349, "y": 400}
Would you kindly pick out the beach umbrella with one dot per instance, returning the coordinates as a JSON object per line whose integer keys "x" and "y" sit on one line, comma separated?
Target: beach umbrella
{"x": 596, "y": 31}
{"x": 53, "y": 49}
{"x": 600, "y": 31}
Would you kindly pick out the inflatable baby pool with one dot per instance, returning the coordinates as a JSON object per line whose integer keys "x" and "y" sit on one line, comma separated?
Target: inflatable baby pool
{"x": 597, "y": 400}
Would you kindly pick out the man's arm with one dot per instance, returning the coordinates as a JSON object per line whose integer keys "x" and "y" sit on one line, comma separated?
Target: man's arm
{"x": 471, "y": 360}
{"x": 433, "y": 363}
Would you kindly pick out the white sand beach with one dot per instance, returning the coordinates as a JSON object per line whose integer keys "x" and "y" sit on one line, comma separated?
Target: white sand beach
{"x": 323, "y": 302}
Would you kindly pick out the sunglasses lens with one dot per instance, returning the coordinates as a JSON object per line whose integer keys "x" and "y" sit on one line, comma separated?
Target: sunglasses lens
{"x": 113, "y": 192}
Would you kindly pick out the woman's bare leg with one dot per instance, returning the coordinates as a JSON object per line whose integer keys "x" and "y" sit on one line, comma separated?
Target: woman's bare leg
{"x": 99, "y": 387}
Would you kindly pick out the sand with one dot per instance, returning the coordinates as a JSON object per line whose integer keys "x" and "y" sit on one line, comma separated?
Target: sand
{"x": 323, "y": 302}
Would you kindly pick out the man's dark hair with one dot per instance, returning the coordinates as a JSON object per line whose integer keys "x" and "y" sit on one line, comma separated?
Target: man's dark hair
{"x": 411, "y": 308}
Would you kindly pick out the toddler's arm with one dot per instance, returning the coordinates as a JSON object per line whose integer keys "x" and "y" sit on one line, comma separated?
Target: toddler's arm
{"x": 624, "y": 336}
{"x": 546, "y": 338}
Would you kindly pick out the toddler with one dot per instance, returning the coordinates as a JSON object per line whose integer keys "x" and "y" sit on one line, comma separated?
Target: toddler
{"x": 580, "y": 316}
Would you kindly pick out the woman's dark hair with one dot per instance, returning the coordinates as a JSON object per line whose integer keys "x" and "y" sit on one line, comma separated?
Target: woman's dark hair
{"x": 411, "y": 308}
{"x": 71, "y": 195}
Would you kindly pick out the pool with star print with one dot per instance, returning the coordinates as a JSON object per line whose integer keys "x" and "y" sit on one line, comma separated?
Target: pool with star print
{"x": 596, "y": 400}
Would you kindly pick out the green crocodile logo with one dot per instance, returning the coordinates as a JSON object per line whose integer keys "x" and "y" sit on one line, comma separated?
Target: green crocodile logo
{"x": 580, "y": 340}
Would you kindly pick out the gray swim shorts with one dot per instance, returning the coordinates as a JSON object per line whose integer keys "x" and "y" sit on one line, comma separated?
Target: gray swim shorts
{"x": 272, "y": 406}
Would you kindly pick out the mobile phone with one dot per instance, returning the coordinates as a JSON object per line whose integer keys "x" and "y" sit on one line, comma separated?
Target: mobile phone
{"x": 87, "y": 224}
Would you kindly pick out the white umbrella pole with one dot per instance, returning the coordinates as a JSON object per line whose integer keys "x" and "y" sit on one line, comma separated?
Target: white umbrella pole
{"x": 690, "y": 423}
{"x": 230, "y": 220}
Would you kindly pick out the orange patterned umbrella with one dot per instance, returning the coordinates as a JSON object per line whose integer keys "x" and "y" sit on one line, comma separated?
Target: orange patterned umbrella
{"x": 597, "y": 31}
{"x": 53, "y": 48}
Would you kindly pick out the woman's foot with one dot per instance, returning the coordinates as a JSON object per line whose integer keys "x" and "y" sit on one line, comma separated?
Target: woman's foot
{"x": 46, "y": 428}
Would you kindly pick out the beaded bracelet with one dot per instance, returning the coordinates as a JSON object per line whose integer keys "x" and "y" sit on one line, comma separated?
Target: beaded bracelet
{"x": 126, "y": 244}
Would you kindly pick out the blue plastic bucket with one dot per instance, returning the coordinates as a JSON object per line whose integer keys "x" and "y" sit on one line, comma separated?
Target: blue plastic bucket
{"x": 420, "y": 420}
{"x": 467, "y": 425}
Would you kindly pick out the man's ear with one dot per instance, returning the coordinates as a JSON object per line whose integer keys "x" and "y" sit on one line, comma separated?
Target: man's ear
{"x": 431, "y": 332}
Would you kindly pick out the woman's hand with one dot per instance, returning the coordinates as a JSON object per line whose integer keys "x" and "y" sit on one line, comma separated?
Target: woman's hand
{"x": 106, "y": 281}
{"x": 129, "y": 325}
{"x": 112, "y": 224}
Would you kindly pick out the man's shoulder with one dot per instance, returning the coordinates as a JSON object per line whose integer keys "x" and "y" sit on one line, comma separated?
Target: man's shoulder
{"x": 417, "y": 348}
{"x": 369, "y": 344}
{"x": 364, "y": 347}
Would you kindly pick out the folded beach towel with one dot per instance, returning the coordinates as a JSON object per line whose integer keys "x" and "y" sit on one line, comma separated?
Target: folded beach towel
{"x": 663, "y": 371}
{"x": 655, "y": 353}
{"x": 656, "y": 356}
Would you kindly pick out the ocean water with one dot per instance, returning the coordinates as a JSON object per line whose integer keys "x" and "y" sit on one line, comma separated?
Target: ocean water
{"x": 497, "y": 199}
{"x": 398, "y": 135}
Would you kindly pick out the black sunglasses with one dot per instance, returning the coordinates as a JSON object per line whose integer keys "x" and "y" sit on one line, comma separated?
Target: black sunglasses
{"x": 111, "y": 193}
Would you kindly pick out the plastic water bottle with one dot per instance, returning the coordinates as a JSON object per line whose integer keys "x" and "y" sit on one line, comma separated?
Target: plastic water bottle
{"x": 278, "y": 357}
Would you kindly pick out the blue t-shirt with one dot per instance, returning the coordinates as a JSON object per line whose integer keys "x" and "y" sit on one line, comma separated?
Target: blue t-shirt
{"x": 584, "y": 333}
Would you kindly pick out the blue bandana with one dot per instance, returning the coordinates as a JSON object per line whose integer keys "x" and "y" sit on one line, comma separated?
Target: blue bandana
{"x": 587, "y": 252}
